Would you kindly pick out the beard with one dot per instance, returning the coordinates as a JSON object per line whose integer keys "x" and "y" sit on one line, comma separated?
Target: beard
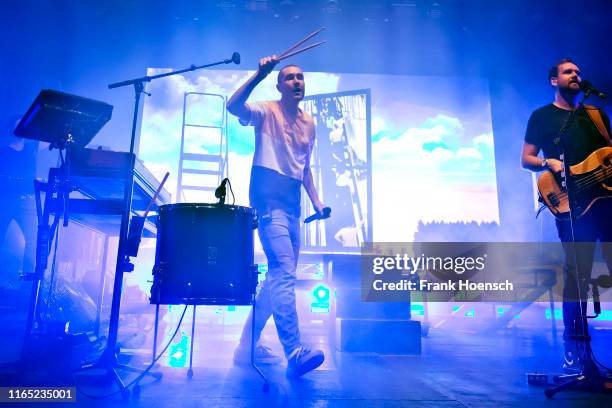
{"x": 571, "y": 88}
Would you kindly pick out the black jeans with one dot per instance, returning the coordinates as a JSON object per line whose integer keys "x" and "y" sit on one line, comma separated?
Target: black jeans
{"x": 595, "y": 225}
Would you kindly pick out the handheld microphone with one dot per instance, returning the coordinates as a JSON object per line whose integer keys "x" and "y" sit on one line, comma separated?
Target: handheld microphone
{"x": 588, "y": 88}
{"x": 325, "y": 213}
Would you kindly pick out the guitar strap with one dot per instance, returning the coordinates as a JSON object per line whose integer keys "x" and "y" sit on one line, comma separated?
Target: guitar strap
{"x": 595, "y": 116}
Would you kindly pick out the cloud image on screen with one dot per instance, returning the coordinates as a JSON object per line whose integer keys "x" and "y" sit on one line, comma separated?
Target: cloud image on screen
{"x": 431, "y": 145}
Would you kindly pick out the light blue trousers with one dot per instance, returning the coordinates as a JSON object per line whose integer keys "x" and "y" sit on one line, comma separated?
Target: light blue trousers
{"x": 279, "y": 233}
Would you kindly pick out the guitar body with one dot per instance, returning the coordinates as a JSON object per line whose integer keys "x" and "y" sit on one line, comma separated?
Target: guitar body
{"x": 551, "y": 193}
{"x": 590, "y": 180}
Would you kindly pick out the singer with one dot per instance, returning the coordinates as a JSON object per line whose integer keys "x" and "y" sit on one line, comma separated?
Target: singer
{"x": 582, "y": 137}
{"x": 284, "y": 139}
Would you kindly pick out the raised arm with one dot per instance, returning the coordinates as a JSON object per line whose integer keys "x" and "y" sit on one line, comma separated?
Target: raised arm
{"x": 237, "y": 103}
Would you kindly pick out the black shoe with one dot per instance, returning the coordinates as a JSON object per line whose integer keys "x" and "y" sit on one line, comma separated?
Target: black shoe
{"x": 303, "y": 360}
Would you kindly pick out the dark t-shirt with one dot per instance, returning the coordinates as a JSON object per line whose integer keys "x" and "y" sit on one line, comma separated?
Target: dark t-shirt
{"x": 271, "y": 190}
{"x": 581, "y": 139}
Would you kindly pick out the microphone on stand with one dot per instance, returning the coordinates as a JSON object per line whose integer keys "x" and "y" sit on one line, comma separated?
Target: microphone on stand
{"x": 588, "y": 88}
{"x": 235, "y": 59}
{"x": 221, "y": 192}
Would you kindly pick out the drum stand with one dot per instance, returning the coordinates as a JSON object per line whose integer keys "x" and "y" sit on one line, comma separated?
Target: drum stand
{"x": 266, "y": 385}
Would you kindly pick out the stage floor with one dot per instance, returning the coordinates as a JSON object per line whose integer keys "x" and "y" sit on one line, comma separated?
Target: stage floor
{"x": 456, "y": 369}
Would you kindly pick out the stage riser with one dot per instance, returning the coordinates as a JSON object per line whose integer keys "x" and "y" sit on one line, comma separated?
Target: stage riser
{"x": 378, "y": 336}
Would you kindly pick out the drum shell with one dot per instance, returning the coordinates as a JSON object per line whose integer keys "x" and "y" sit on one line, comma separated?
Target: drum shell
{"x": 204, "y": 255}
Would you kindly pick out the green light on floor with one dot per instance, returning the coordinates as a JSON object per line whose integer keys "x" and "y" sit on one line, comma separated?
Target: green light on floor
{"x": 262, "y": 270}
{"x": 470, "y": 313}
{"x": 321, "y": 309}
{"x": 179, "y": 352}
{"x": 605, "y": 315}
{"x": 321, "y": 293}
{"x": 417, "y": 310}
{"x": 558, "y": 314}
{"x": 320, "y": 299}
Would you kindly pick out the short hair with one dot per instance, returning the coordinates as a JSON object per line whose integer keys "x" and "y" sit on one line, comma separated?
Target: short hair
{"x": 279, "y": 77}
{"x": 553, "y": 72}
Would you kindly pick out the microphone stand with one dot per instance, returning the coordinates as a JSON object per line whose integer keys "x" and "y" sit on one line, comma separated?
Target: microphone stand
{"x": 108, "y": 359}
{"x": 589, "y": 377}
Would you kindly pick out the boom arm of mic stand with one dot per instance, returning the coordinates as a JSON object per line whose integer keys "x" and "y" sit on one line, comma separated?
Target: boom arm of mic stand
{"x": 148, "y": 78}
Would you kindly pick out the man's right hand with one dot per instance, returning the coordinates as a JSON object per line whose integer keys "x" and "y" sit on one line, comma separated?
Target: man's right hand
{"x": 266, "y": 65}
{"x": 554, "y": 165}
{"x": 236, "y": 105}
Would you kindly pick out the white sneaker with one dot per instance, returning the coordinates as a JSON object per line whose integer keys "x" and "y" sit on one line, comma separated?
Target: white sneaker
{"x": 262, "y": 355}
{"x": 303, "y": 360}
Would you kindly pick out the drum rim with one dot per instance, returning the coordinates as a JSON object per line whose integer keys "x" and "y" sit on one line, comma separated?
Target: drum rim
{"x": 170, "y": 207}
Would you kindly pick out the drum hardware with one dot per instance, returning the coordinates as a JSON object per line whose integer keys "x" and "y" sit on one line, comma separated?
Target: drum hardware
{"x": 215, "y": 266}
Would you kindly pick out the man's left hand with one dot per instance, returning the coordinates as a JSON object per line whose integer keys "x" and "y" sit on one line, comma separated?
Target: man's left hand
{"x": 318, "y": 207}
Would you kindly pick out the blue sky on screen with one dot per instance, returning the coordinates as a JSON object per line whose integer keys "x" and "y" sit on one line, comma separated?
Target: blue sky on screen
{"x": 432, "y": 142}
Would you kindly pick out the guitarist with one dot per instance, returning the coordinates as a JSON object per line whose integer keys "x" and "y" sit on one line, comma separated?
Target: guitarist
{"x": 581, "y": 139}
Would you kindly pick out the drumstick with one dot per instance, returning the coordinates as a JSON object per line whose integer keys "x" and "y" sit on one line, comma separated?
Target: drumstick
{"x": 156, "y": 194}
{"x": 302, "y": 41}
{"x": 300, "y": 51}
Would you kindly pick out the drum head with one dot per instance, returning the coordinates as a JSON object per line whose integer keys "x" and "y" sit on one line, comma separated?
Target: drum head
{"x": 204, "y": 255}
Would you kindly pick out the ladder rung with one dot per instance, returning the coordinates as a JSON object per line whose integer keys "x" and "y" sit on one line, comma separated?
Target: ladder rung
{"x": 198, "y": 171}
{"x": 199, "y": 188}
{"x": 203, "y": 126}
{"x": 203, "y": 157}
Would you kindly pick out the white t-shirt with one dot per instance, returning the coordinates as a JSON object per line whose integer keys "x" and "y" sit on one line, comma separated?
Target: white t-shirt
{"x": 283, "y": 143}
